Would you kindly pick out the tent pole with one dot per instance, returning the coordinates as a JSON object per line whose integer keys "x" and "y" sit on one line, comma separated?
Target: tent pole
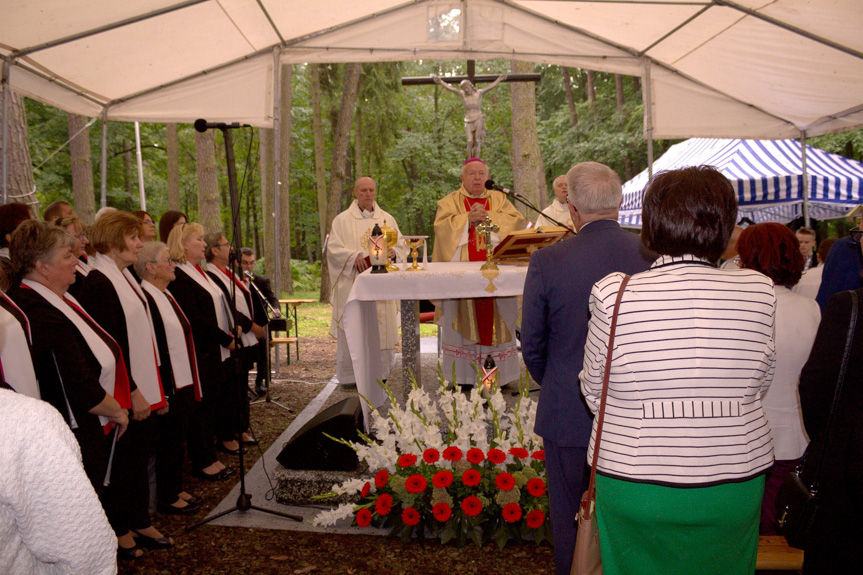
{"x": 277, "y": 152}
{"x": 103, "y": 184}
{"x": 4, "y": 128}
{"x": 140, "y": 166}
{"x": 648, "y": 117}
{"x": 805, "y": 178}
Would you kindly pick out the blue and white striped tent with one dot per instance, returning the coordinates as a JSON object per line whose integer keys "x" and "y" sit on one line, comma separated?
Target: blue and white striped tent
{"x": 768, "y": 177}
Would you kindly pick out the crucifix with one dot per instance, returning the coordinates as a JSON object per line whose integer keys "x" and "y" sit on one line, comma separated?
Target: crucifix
{"x": 474, "y": 119}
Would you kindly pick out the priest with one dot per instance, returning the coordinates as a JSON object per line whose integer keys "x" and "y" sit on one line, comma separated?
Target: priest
{"x": 559, "y": 209}
{"x": 347, "y": 256}
{"x": 474, "y": 329}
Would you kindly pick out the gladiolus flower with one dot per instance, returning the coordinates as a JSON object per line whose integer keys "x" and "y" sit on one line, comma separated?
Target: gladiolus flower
{"x": 442, "y": 479}
{"x": 431, "y": 455}
{"x": 471, "y": 505}
{"x": 511, "y": 512}
{"x": 535, "y": 519}
{"x": 364, "y": 517}
{"x": 407, "y": 460}
{"x": 496, "y": 456}
{"x": 367, "y": 488}
{"x": 442, "y": 511}
{"x": 452, "y": 453}
{"x": 519, "y": 452}
{"x": 536, "y": 487}
{"x": 381, "y": 478}
{"x": 416, "y": 484}
{"x": 504, "y": 481}
{"x": 410, "y": 516}
{"x": 471, "y": 478}
{"x": 538, "y": 455}
{"x": 475, "y": 455}
{"x": 384, "y": 504}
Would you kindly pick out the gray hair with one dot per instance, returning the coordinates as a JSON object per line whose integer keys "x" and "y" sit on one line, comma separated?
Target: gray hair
{"x": 148, "y": 254}
{"x": 594, "y": 188}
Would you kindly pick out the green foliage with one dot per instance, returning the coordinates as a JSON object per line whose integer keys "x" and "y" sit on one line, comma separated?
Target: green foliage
{"x": 306, "y": 276}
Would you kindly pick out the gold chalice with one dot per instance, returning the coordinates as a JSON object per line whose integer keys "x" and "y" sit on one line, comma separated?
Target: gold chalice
{"x": 392, "y": 237}
{"x": 414, "y": 242}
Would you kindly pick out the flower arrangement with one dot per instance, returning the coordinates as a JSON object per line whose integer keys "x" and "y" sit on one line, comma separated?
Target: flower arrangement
{"x": 458, "y": 467}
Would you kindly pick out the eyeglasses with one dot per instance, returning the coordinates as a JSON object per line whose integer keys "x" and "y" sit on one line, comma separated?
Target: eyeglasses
{"x": 856, "y": 234}
{"x": 81, "y": 236}
{"x": 168, "y": 261}
{"x": 223, "y": 245}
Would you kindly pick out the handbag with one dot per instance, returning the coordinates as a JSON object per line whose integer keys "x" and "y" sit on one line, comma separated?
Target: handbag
{"x": 798, "y": 500}
{"x": 586, "y": 559}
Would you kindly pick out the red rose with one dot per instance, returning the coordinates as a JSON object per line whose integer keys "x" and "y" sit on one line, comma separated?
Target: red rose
{"x": 407, "y": 460}
{"x": 367, "y": 488}
{"x": 535, "y": 519}
{"x": 416, "y": 484}
{"x": 364, "y": 517}
{"x": 504, "y": 481}
{"x": 511, "y": 512}
{"x": 471, "y": 506}
{"x": 431, "y": 455}
{"x": 452, "y": 453}
{"x": 519, "y": 452}
{"x": 475, "y": 455}
{"x": 384, "y": 504}
{"x": 538, "y": 455}
{"x": 471, "y": 478}
{"x": 442, "y": 511}
{"x": 442, "y": 479}
{"x": 410, "y": 516}
{"x": 536, "y": 487}
{"x": 496, "y": 456}
{"x": 381, "y": 478}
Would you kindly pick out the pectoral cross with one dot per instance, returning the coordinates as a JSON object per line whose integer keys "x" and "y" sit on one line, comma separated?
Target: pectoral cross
{"x": 486, "y": 228}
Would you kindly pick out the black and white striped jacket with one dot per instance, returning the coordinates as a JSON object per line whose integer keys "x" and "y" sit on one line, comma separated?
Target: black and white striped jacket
{"x": 693, "y": 354}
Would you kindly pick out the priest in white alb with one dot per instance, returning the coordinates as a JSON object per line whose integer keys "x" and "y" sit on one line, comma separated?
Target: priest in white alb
{"x": 474, "y": 329}
{"x": 347, "y": 256}
{"x": 559, "y": 209}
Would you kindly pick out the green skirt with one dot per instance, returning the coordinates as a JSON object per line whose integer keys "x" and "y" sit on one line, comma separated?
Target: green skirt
{"x": 654, "y": 530}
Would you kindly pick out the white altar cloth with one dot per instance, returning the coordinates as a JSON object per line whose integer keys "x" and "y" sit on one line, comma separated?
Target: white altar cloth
{"x": 442, "y": 280}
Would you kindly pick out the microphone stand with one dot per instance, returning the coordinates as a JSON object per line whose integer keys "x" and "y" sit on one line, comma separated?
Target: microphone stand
{"x": 268, "y": 378}
{"x": 523, "y": 200}
{"x": 244, "y": 500}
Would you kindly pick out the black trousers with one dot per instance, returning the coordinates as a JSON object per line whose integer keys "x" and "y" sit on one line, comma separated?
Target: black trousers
{"x": 126, "y": 499}
{"x": 171, "y": 444}
{"x": 201, "y": 431}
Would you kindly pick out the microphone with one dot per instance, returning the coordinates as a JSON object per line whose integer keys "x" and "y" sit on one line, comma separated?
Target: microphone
{"x": 203, "y": 125}
{"x": 249, "y": 274}
{"x": 490, "y": 185}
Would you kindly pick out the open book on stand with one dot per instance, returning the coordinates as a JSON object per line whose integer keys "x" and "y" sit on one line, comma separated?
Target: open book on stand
{"x": 517, "y": 247}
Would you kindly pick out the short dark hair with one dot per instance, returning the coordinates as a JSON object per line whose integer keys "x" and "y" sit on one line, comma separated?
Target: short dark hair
{"x": 212, "y": 240}
{"x": 54, "y": 210}
{"x": 824, "y": 248}
{"x": 167, "y": 221}
{"x": 773, "y": 250}
{"x": 244, "y": 251}
{"x": 11, "y": 215}
{"x": 688, "y": 211}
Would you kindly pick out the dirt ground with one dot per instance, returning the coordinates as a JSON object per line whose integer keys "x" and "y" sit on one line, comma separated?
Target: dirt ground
{"x": 214, "y": 549}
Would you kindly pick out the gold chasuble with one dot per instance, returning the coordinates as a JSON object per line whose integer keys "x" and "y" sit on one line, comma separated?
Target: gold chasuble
{"x": 474, "y": 329}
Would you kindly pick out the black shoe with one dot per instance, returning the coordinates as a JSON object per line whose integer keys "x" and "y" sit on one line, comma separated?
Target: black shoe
{"x": 168, "y": 509}
{"x": 221, "y": 447}
{"x": 218, "y": 476}
{"x": 152, "y": 542}
{"x": 195, "y": 501}
{"x": 248, "y": 441}
{"x": 129, "y": 553}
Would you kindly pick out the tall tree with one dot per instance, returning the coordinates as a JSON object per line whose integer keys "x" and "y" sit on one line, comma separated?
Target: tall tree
{"x": 527, "y": 167}
{"x": 20, "y": 175}
{"x": 82, "y": 168}
{"x": 591, "y": 88}
{"x": 285, "y": 283}
{"x": 570, "y": 100}
{"x": 173, "y": 150}
{"x": 267, "y": 204}
{"x": 618, "y": 91}
{"x": 340, "y": 150}
{"x": 209, "y": 213}
{"x": 318, "y": 135}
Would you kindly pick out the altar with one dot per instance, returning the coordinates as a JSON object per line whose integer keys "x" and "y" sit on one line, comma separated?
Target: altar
{"x": 443, "y": 280}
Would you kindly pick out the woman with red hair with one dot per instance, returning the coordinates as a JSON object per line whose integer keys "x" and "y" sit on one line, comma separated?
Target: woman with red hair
{"x": 773, "y": 250}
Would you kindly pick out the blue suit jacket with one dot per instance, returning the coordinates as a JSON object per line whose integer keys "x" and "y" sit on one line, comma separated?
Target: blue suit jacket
{"x": 841, "y": 270}
{"x": 555, "y": 316}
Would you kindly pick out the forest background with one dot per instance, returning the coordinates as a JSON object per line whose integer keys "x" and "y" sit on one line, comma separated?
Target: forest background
{"x": 344, "y": 121}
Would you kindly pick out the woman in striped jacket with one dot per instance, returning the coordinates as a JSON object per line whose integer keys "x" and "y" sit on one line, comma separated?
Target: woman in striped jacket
{"x": 685, "y": 444}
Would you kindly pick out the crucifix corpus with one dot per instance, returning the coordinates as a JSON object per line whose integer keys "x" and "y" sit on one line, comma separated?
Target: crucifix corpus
{"x": 474, "y": 119}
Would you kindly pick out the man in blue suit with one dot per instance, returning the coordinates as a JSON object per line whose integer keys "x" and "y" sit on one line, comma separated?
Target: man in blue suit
{"x": 554, "y": 328}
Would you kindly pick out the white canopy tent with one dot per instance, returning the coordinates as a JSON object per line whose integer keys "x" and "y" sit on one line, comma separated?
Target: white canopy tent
{"x": 710, "y": 68}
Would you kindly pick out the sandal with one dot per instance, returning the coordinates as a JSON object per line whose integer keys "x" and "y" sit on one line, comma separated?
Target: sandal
{"x": 129, "y": 553}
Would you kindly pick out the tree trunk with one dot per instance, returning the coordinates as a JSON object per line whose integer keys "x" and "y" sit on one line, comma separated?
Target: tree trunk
{"x": 636, "y": 83}
{"x": 591, "y": 89}
{"x": 209, "y": 213}
{"x": 285, "y": 283}
{"x": 340, "y": 150}
{"x": 318, "y": 130}
{"x": 527, "y": 167}
{"x": 173, "y": 152}
{"x": 267, "y": 205}
{"x": 20, "y": 176}
{"x": 570, "y": 101}
{"x": 82, "y": 169}
{"x": 358, "y": 145}
{"x": 129, "y": 180}
{"x": 618, "y": 88}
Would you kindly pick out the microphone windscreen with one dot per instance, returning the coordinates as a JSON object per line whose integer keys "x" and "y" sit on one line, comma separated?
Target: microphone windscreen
{"x": 201, "y": 125}
{"x": 489, "y": 184}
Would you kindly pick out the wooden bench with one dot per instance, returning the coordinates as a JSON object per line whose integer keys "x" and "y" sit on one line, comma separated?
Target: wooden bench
{"x": 774, "y": 554}
{"x": 274, "y": 342}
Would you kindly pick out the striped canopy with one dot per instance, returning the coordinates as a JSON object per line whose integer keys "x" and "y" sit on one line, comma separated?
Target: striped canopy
{"x": 767, "y": 175}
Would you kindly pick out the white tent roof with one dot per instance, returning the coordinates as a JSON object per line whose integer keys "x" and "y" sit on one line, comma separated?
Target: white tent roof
{"x": 713, "y": 68}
